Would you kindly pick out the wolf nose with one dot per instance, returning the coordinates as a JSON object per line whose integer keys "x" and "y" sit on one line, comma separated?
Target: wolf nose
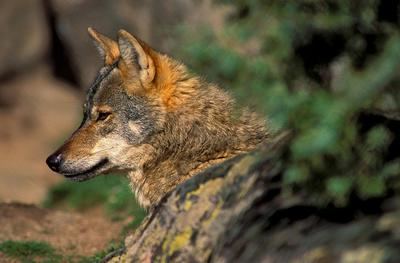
{"x": 54, "y": 161}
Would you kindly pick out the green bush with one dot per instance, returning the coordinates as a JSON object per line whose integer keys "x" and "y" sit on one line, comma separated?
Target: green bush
{"x": 112, "y": 192}
{"x": 315, "y": 68}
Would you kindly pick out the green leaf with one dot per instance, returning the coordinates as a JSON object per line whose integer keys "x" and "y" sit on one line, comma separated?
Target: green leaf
{"x": 313, "y": 142}
{"x": 296, "y": 174}
{"x": 339, "y": 187}
{"x": 370, "y": 186}
{"x": 378, "y": 138}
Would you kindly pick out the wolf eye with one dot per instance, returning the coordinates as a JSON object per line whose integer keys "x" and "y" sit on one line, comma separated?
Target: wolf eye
{"x": 103, "y": 115}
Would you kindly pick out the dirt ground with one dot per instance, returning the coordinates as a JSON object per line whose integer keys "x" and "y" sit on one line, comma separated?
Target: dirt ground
{"x": 69, "y": 233}
{"x": 41, "y": 112}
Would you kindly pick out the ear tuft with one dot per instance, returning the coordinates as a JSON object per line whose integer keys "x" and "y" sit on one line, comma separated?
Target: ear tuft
{"x": 107, "y": 47}
{"x": 128, "y": 51}
{"x": 135, "y": 54}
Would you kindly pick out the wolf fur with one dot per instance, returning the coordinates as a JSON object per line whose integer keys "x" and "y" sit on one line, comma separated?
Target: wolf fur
{"x": 147, "y": 116}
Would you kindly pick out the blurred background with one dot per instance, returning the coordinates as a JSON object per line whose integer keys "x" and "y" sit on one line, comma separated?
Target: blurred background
{"x": 49, "y": 61}
{"x": 327, "y": 70}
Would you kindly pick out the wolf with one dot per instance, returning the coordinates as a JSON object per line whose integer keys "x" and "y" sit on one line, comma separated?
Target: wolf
{"x": 146, "y": 115}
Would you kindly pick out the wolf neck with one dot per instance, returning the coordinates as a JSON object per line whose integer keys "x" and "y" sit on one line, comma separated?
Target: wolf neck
{"x": 201, "y": 129}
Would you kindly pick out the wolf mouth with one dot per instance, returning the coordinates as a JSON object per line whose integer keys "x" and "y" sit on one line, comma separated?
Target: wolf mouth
{"x": 89, "y": 173}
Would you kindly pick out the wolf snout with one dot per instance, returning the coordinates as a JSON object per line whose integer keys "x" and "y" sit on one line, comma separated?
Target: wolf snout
{"x": 54, "y": 161}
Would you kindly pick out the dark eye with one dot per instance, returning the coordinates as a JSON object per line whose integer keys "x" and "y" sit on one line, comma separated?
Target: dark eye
{"x": 103, "y": 115}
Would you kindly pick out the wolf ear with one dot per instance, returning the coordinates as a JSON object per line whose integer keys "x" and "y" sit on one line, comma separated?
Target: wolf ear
{"x": 107, "y": 47}
{"x": 135, "y": 55}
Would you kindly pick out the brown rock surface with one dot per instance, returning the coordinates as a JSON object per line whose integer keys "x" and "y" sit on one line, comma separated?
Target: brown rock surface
{"x": 25, "y": 37}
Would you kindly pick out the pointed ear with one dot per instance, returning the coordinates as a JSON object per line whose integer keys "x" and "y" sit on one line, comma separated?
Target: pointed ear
{"x": 107, "y": 47}
{"x": 136, "y": 56}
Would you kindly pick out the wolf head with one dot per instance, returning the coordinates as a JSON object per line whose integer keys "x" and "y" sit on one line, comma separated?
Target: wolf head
{"x": 121, "y": 113}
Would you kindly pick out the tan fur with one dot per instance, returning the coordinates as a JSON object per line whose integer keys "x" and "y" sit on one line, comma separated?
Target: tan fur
{"x": 184, "y": 98}
{"x": 105, "y": 44}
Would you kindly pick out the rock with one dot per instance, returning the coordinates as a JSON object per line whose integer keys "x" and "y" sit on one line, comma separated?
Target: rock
{"x": 153, "y": 21}
{"x": 189, "y": 225}
{"x": 25, "y": 36}
{"x": 236, "y": 212}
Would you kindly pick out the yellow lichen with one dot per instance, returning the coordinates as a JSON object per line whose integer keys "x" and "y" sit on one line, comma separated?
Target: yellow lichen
{"x": 173, "y": 244}
{"x": 187, "y": 205}
{"x": 180, "y": 241}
